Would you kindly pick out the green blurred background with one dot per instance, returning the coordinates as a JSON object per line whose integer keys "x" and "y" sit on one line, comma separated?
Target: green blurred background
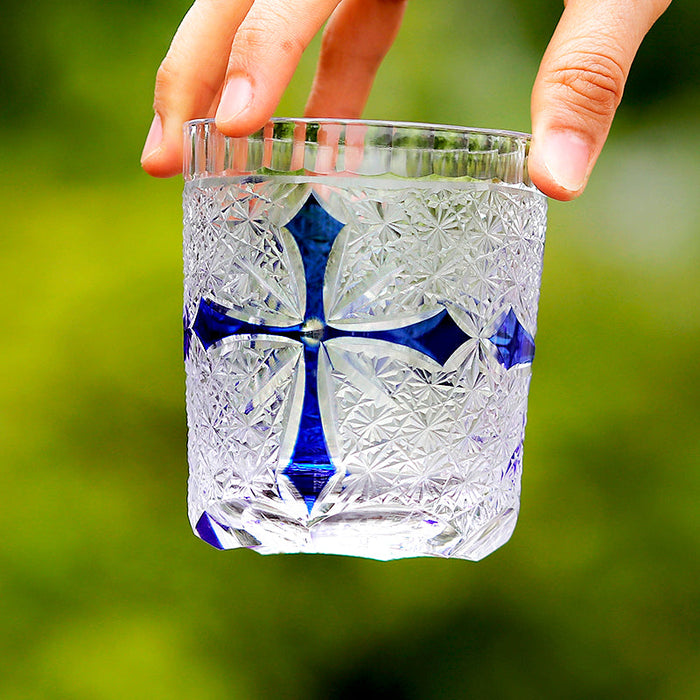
{"x": 105, "y": 594}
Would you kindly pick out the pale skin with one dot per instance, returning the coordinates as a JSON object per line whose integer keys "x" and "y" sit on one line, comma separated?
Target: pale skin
{"x": 232, "y": 60}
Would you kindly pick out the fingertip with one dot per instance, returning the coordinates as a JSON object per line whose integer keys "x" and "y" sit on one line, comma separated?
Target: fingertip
{"x": 242, "y": 110}
{"x": 154, "y": 139}
{"x": 243, "y": 125}
{"x": 236, "y": 98}
{"x": 550, "y": 189}
{"x": 161, "y": 157}
{"x": 162, "y": 164}
{"x": 161, "y": 167}
{"x": 559, "y": 164}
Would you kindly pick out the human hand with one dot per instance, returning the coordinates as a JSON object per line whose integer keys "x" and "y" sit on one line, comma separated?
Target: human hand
{"x": 233, "y": 59}
{"x": 250, "y": 49}
{"x": 579, "y": 86}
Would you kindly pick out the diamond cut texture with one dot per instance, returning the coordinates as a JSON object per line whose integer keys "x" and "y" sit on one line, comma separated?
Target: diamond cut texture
{"x": 237, "y": 241}
{"x": 426, "y": 457}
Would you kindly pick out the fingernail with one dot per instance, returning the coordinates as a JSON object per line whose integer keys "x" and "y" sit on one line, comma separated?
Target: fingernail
{"x": 237, "y": 95}
{"x": 566, "y": 157}
{"x": 155, "y": 136}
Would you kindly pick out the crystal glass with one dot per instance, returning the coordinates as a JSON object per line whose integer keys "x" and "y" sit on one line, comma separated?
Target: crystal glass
{"x": 360, "y": 313}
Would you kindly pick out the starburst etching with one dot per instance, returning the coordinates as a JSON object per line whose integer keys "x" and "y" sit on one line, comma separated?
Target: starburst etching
{"x": 355, "y": 352}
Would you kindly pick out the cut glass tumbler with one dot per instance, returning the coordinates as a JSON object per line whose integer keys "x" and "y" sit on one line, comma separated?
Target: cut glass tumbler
{"x": 360, "y": 313}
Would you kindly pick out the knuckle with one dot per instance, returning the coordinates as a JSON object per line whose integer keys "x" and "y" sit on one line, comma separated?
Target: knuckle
{"x": 251, "y": 36}
{"x": 261, "y": 34}
{"x": 166, "y": 76}
{"x": 361, "y": 56}
{"x": 173, "y": 78}
{"x": 592, "y": 81}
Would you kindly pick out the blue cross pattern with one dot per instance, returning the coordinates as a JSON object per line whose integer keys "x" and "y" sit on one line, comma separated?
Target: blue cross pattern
{"x": 314, "y": 231}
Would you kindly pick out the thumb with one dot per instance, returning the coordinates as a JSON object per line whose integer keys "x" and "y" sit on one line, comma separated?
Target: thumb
{"x": 579, "y": 86}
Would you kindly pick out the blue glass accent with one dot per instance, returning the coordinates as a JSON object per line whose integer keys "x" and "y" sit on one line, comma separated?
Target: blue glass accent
{"x": 212, "y": 324}
{"x": 314, "y": 231}
{"x": 438, "y": 337}
{"x": 187, "y": 341}
{"x": 187, "y": 335}
{"x": 310, "y": 447}
{"x": 309, "y": 480}
{"x": 515, "y": 462}
{"x": 310, "y": 467}
{"x": 205, "y": 529}
{"x": 514, "y": 345}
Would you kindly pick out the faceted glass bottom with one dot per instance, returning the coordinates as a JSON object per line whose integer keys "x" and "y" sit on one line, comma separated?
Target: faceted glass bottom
{"x": 358, "y": 360}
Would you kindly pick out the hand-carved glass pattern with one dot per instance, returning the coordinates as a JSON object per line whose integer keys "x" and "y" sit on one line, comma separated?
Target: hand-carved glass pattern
{"x": 358, "y": 363}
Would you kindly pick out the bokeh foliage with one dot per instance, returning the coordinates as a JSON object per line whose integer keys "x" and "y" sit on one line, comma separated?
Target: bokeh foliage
{"x": 104, "y": 594}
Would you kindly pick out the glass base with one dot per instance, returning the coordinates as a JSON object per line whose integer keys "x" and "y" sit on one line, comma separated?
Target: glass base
{"x": 382, "y": 534}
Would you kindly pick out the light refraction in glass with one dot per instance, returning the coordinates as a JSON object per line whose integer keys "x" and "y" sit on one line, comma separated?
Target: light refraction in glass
{"x": 358, "y": 360}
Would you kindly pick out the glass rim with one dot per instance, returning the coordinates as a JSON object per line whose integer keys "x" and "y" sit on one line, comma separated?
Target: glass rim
{"x": 367, "y": 148}
{"x": 387, "y": 123}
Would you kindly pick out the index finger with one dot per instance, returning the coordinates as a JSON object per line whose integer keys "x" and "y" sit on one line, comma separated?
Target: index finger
{"x": 265, "y": 53}
{"x": 189, "y": 78}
